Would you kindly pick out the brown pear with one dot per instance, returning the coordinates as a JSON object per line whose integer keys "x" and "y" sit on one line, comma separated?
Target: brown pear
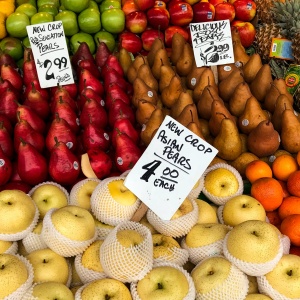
{"x": 282, "y": 103}
{"x": 144, "y": 111}
{"x": 170, "y": 94}
{"x": 178, "y": 42}
{"x": 242, "y": 161}
{"x": 238, "y": 99}
{"x": 188, "y": 114}
{"x": 186, "y": 60}
{"x": 251, "y": 68}
{"x": 166, "y": 74}
{"x": 278, "y": 87}
{"x": 228, "y": 85}
{"x": 228, "y": 140}
{"x": 252, "y": 115}
{"x": 155, "y": 120}
{"x": 263, "y": 140}
{"x": 195, "y": 128}
{"x": 193, "y": 77}
{"x": 125, "y": 59}
{"x": 261, "y": 84}
{"x": 239, "y": 53}
{"x": 142, "y": 91}
{"x": 183, "y": 100}
{"x": 160, "y": 58}
{"x": 157, "y": 44}
{"x": 225, "y": 70}
{"x": 203, "y": 124}
{"x": 133, "y": 68}
{"x": 144, "y": 72}
{"x": 290, "y": 132}
{"x": 209, "y": 94}
{"x": 218, "y": 112}
{"x": 207, "y": 78}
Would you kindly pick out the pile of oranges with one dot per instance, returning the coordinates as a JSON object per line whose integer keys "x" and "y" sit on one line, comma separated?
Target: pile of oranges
{"x": 277, "y": 187}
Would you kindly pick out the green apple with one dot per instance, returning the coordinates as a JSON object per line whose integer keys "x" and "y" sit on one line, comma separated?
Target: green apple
{"x": 89, "y": 20}
{"x": 93, "y": 4}
{"x": 27, "y": 9}
{"x": 49, "y": 266}
{"x": 205, "y": 234}
{"x": 113, "y": 20}
{"x": 51, "y": 290}
{"x": 253, "y": 241}
{"x": 207, "y": 214}
{"x": 285, "y": 277}
{"x": 163, "y": 282}
{"x": 17, "y": 211}
{"x": 13, "y": 47}
{"x": 185, "y": 208}
{"x": 16, "y": 24}
{"x": 13, "y": 274}
{"x": 129, "y": 238}
{"x": 20, "y": 2}
{"x": 26, "y": 42}
{"x": 79, "y": 37}
{"x": 40, "y": 3}
{"x": 211, "y": 278}
{"x": 106, "y": 288}
{"x": 5, "y": 245}
{"x": 242, "y": 208}
{"x": 49, "y": 8}
{"x": 69, "y": 21}
{"x": 75, "y": 5}
{"x": 81, "y": 192}
{"x": 107, "y": 38}
{"x": 162, "y": 245}
{"x": 91, "y": 257}
{"x": 41, "y": 17}
{"x": 109, "y": 4}
{"x": 47, "y": 196}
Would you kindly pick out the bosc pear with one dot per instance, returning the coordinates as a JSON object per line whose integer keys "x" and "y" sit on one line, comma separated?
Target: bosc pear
{"x": 193, "y": 77}
{"x": 133, "y": 68}
{"x": 161, "y": 58}
{"x": 263, "y": 140}
{"x": 224, "y": 70}
{"x": 228, "y": 140}
{"x": 189, "y": 114}
{"x": 170, "y": 93}
{"x": 207, "y": 78}
{"x": 184, "y": 99}
{"x": 144, "y": 72}
{"x": 186, "y": 60}
{"x": 239, "y": 53}
{"x": 178, "y": 42}
{"x": 166, "y": 74}
{"x": 157, "y": 44}
{"x": 251, "y": 68}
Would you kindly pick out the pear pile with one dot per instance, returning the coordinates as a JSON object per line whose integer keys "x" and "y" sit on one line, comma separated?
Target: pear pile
{"x": 239, "y": 108}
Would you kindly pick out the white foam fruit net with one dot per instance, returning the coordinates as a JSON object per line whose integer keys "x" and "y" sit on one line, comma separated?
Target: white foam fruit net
{"x": 13, "y": 249}
{"x": 20, "y": 292}
{"x": 286, "y": 243}
{"x": 191, "y": 292}
{"x": 75, "y": 190}
{"x": 102, "y": 232}
{"x": 177, "y": 256}
{"x": 222, "y": 200}
{"x": 196, "y": 190}
{"x": 33, "y": 241}
{"x": 106, "y": 209}
{"x": 58, "y": 242}
{"x": 86, "y": 275}
{"x": 123, "y": 263}
{"x": 13, "y": 237}
{"x": 253, "y": 269}
{"x": 265, "y": 287}
{"x": 235, "y": 287}
{"x": 177, "y": 227}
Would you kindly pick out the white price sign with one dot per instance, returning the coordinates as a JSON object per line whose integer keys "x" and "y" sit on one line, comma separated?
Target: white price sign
{"x": 212, "y": 43}
{"x": 169, "y": 168}
{"x": 50, "y": 53}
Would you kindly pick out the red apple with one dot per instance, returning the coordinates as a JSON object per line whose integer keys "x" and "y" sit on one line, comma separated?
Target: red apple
{"x": 136, "y": 22}
{"x": 203, "y": 12}
{"x": 224, "y": 11}
{"x": 192, "y": 2}
{"x": 158, "y": 17}
{"x": 172, "y": 2}
{"x": 247, "y": 32}
{"x": 245, "y": 10}
{"x": 216, "y": 2}
{"x": 148, "y": 37}
{"x": 130, "y": 41}
{"x": 144, "y": 4}
{"x": 171, "y": 30}
{"x": 129, "y": 6}
{"x": 160, "y": 4}
{"x": 181, "y": 14}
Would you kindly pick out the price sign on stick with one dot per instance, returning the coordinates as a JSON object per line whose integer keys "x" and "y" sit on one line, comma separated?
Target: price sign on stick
{"x": 212, "y": 43}
{"x": 50, "y": 53}
{"x": 169, "y": 168}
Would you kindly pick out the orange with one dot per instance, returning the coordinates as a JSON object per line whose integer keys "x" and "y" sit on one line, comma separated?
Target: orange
{"x": 3, "y": 32}
{"x": 289, "y": 206}
{"x": 298, "y": 158}
{"x": 257, "y": 169}
{"x": 293, "y": 183}
{"x": 283, "y": 166}
{"x": 268, "y": 192}
{"x": 273, "y": 217}
{"x": 284, "y": 187}
{"x": 290, "y": 226}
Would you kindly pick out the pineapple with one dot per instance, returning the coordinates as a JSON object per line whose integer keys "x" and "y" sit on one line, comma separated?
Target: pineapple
{"x": 263, "y": 10}
{"x": 296, "y": 47}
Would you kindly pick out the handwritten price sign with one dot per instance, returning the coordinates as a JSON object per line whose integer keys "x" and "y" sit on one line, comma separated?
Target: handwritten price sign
{"x": 212, "y": 43}
{"x": 50, "y": 53}
{"x": 169, "y": 168}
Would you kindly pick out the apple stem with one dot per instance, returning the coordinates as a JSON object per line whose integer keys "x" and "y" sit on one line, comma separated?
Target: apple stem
{"x": 290, "y": 272}
{"x": 254, "y": 233}
{"x": 159, "y": 286}
{"x": 107, "y": 297}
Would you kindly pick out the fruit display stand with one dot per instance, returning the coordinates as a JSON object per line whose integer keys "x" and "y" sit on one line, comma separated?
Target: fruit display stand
{"x": 71, "y": 228}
